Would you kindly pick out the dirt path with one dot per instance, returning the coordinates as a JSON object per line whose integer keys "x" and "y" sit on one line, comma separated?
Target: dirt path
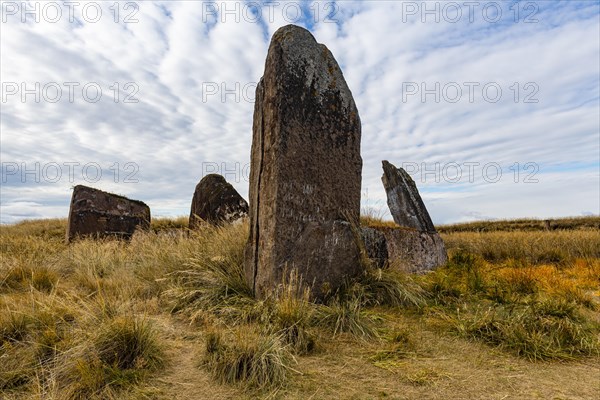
{"x": 182, "y": 378}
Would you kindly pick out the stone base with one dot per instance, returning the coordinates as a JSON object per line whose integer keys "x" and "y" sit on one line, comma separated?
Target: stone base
{"x": 415, "y": 251}
{"x": 406, "y": 249}
{"x": 375, "y": 246}
{"x": 324, "y": 255}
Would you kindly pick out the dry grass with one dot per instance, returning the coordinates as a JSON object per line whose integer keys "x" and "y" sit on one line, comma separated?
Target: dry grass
{"x": 543, "y": 247}
{"x": 537, "y": 330}
{"x": 250, "y": 359}
{"x": 500, "y": 288}
{"x": 521, "y": 225}
{"x": 168, "y": 314}
{"x": 169, "y": 224}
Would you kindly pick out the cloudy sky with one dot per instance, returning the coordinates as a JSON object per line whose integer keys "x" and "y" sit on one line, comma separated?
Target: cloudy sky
{"x": 493, "y": 107}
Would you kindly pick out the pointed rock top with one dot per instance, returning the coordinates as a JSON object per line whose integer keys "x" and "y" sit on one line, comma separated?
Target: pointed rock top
{"x": 308, "y": 69}
{"x": 292, "y": 32}
{"x": 403, "y": 199}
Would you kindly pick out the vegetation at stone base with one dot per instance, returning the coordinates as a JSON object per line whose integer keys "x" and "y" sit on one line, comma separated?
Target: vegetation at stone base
{"x": 98, "y": 319}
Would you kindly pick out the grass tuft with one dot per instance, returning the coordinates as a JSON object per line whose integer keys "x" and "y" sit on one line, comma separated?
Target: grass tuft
{"x": 21, "y": 277}
{"x": 346, "y": 317}
{"x": 119, "y": 355}
{"x": 127, "y": 343}
{"x": 214, "y": 281}
{"x": 389, "y": 287}
{"x": 252, "y": 361}
{"x": 548, "y": 330}
{"x": 290, "y": 314}
{"x": 14, "y": 326}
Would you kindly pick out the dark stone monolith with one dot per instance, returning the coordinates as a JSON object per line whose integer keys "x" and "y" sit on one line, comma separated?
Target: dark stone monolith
{"x": 305, "y": 171}
{"x": 216, "y": 202}
{"x": 100, "y": 214}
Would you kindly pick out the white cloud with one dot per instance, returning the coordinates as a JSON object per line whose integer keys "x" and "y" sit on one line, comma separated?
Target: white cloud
{"x": 178, "y": 51}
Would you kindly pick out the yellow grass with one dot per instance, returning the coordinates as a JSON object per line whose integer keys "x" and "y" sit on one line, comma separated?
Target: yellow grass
{"x": 573, "y": 223}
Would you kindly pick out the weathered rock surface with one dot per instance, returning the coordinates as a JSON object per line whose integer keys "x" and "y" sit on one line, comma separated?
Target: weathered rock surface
{"x": 406, "y": 205}
{"x": 331, "y": 245}
{"x": 100, "y": 214}
{"x": 216, "y": 202}
{"x": 306, "y": 168}
{"x": 375, "y": 245}
{"x": 411, "y": 250}
{"x": 406, "y": 249}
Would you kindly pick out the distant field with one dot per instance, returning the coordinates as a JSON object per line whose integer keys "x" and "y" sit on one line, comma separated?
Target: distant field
{"x": 514, "y": 314}
{"x": 524, "y": 225}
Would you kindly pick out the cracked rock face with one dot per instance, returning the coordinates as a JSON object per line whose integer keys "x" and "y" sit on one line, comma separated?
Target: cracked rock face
{"x": 411, "y": 250}
{"x": 305, "y": 170}
{"x": 405, "y": 203}
{"x": 216, "y": 202}
{"x": 375, "y": 246}
{"x": 100, "y": 214}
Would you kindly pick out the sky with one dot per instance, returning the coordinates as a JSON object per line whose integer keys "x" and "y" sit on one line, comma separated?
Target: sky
{"x": 492, "y": 107}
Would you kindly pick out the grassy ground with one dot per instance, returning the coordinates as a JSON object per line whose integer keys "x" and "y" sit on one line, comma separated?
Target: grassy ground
{"x": 514, "y": 314}
{"x": 590, "y": 222}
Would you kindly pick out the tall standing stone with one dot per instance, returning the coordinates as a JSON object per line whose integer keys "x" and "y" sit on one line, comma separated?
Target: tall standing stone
{"x": 305, "y": 171}
{"x": 216, "y": 201}
{"x": 99, "y": 214}
{"x": 406, "y": 206}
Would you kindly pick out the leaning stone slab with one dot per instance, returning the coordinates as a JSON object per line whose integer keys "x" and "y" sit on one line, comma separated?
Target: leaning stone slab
{"x": 100, "y": 214}
{"x": 216, "y": 202}
{"x": 305, "y": 173}
{"x": 406, "y": 206}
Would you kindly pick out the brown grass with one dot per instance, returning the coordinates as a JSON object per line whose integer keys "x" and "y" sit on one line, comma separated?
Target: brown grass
{"x": 524, "y": 225}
